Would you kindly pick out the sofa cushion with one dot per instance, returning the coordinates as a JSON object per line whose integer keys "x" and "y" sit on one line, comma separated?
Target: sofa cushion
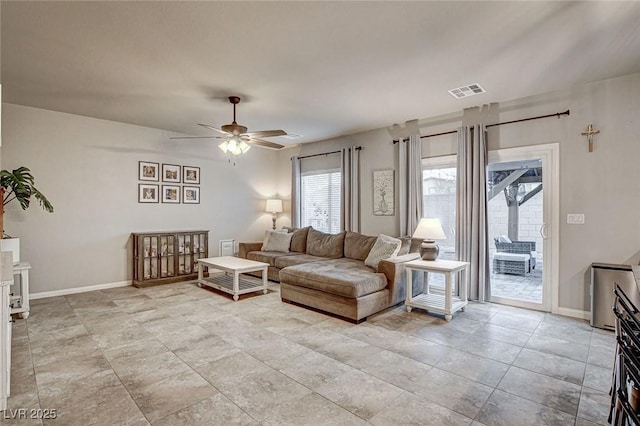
{"x": 384, "y": 248}
{"x": 276, "y": 241}
{"x": 299, "y": 240}
{"x": 298, "y": 259}
{"x": 357, "y": 246}
{"x": 342, "y": 277}
{"x": 504, "y": 239}
{"x": 325, "y": 245}
{"x": 268, "y": 256}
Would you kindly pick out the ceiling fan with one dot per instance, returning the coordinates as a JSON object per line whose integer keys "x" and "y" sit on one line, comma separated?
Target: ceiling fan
{"x": 236, "y": 138}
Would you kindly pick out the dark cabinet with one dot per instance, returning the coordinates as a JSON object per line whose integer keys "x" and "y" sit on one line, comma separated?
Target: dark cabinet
{"x": 167, "y": 257}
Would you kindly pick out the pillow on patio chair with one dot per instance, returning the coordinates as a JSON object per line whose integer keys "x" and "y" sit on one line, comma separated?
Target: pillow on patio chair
{"x": 504, "y": 239}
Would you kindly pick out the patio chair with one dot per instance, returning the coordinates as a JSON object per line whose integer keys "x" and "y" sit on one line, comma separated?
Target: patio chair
{"x": 515, "y": 257}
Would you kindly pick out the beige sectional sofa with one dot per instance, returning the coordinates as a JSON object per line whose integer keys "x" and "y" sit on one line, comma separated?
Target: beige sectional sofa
{"x": 327, "y": 272}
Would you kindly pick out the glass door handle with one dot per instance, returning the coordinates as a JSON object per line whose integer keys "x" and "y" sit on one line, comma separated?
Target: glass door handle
{"x": 543, "y": 231}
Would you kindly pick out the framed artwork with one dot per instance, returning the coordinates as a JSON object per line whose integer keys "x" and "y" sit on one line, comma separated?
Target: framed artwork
{"x": 170, "y": 173}
{"x": 171, "y": 194}
{"x": 383, "y": 193}
{"x": 191, "y": 194}
{"x": 191, "y": 175}
{"x": 148, "y": 171}
{"x": 148, "y": 193}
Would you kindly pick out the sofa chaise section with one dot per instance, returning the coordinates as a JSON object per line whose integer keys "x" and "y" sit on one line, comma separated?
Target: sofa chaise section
{"x": 347, "y": 288}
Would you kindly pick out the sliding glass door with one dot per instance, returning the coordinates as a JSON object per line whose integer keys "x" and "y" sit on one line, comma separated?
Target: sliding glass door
{"x": 522, "y": 215}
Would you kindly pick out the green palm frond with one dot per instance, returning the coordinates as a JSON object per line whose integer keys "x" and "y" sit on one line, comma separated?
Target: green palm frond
{"x": 19, "y": 184}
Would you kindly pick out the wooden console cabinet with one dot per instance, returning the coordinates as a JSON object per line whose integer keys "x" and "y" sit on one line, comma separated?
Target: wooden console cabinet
{"x": 167, "y": 257}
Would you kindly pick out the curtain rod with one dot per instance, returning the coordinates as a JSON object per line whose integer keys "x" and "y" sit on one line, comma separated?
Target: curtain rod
{"x": 358, "y": 148}
{"x": 557, "y": 114}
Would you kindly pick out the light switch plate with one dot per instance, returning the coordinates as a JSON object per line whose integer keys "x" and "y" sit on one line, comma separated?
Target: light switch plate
{"x": 575, "y": 218}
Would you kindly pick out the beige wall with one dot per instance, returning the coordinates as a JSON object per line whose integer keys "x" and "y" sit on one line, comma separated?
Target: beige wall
{"x": 604, "y": 185}
{"x": 88, "y": 169}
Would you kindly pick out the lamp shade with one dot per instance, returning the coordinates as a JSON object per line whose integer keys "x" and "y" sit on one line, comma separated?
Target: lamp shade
{"x": 274, "y": 206}
{"x": 429, "y": 228}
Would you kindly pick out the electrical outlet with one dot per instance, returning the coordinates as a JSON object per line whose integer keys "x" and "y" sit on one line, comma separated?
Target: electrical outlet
{"x": 576, "y": 219}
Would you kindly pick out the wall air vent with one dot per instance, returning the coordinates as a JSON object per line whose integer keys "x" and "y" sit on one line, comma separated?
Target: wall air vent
{"x": 465, "y": 91}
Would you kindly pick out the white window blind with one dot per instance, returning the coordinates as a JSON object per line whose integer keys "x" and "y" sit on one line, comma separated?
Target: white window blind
{"x": 320, "y": 199}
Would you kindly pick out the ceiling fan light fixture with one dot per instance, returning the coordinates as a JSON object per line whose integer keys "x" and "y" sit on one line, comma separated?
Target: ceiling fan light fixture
{"x": 224, "y": 146}
{"x": 244, "y": 147}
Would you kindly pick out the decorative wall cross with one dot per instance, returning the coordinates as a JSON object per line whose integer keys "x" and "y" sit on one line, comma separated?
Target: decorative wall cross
{"x": 589, "y": 134}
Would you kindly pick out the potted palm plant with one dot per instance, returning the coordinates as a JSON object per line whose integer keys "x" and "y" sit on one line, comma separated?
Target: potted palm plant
{"x": 18, "y": 185}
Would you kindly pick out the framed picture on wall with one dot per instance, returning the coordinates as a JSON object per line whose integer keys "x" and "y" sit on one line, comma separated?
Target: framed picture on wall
{"x": 171, "y": 194}
{"x": 383, "y": 193}
{"x": 148, "y": 171}
{"x": 170, "y": 173}
{"x": 148, "y": 193}
{"x": 191, "y": 175}
{"x": 191, "y": 194}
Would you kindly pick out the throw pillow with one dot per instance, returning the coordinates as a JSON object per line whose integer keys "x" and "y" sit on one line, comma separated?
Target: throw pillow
{"x": 504, "y": 239}
{"x": 325, "y": 245}
{"x": 357, "y": 246}
{"x": 384, "y": 248}
{"x": 299, "y": 240}
{"x": 276, "y": 241}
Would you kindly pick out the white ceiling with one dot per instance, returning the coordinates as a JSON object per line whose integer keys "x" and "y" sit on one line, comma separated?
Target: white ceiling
{"x": 318, "y": 69}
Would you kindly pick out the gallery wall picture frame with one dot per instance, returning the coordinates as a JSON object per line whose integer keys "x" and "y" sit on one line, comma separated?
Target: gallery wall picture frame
{"x": 191, "y": 195}
{"x": 383, "y": 193}
{"x": 171, "y": 173}
{"x": 171, "y": 194}
{"x": 148, "y": 171}
{"x": 148, "y": 193}
{"x": 191, "y": 175}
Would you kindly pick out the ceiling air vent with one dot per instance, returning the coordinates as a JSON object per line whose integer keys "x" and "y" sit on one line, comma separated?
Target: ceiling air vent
{"x": 292, "y": 136}
{"x": 464, "y": 91}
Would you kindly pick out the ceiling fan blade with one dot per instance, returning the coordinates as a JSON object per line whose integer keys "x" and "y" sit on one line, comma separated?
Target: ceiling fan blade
{"x": 213, "y": 128}
{"x": 265, "y": 144}
{"x": 197, "y": 137}
{"x": 265, "y": 133}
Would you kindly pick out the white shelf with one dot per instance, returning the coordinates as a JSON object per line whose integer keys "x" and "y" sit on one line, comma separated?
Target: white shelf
{"x": 225, "y": 283}
{"x": 435, "y": 303}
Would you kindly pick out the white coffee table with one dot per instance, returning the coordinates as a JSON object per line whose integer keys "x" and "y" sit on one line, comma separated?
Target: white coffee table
{"x": 224, "y": 275}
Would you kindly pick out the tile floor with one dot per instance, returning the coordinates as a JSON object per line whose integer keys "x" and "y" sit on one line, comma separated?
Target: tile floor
{"x": 178, "y": 354}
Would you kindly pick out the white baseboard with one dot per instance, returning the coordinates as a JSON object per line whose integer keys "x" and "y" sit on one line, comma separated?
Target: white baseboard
{"x": 574, "y": 313}
{"x": 74, "y": 290}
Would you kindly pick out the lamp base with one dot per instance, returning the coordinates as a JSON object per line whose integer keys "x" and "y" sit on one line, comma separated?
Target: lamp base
{"x": 429, "y": 250}
{"x": 274, "y": 220}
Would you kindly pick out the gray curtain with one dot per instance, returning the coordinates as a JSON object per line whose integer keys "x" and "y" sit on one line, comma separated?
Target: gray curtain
{"x": 350, "y": 192}
{"x": 410, "y": 184}
{"x": 471, "y": 221}
{"x": 295, "y": 192}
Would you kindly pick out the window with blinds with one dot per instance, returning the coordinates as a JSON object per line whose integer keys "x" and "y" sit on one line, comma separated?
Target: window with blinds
{"x": 320, "y": 200}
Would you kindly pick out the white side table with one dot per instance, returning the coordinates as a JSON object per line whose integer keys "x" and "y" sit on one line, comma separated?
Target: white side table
{"x": 20, "y": 304}
{"x": 446, "y": 303}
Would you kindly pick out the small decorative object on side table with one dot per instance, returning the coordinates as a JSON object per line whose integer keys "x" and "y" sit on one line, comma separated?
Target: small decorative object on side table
{"x": 436, "y": 301}
{"x": 429, "y": 229}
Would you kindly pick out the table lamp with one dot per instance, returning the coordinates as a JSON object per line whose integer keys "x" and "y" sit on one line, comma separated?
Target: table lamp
{"x": 274, "y": 206}
{"x": 429, "y": 229}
